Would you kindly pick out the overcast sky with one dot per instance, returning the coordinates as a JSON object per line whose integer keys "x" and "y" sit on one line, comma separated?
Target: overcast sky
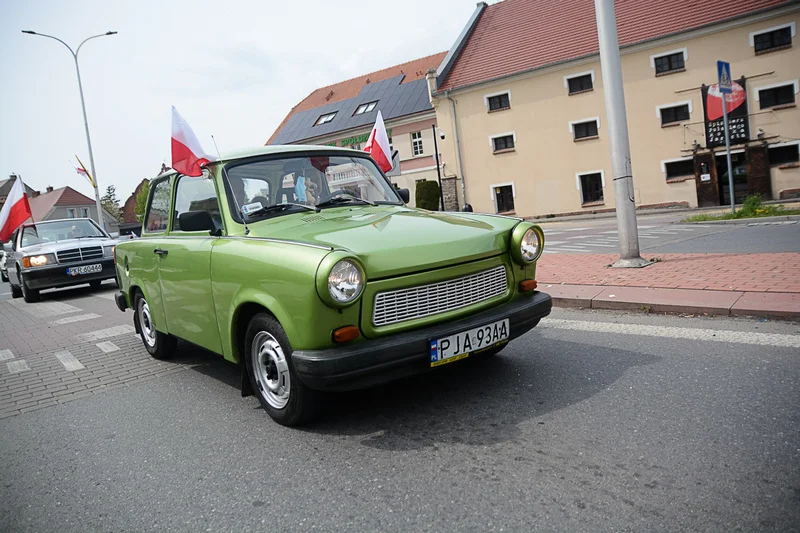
{"x": 233, "y": 69}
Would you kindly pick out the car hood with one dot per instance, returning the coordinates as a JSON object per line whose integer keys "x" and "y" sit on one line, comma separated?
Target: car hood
{"x": 66, "y": 244}
{"x": 394, "y": 240}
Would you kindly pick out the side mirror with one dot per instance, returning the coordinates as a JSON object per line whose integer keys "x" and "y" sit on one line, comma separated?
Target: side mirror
{"x": 404, "y": 194}
{"x": 197, "y": 221}
{"x": 7, "y": 247}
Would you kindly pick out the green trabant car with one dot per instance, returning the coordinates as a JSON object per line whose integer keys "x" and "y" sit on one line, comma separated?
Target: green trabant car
{"x": 305, "y": 265}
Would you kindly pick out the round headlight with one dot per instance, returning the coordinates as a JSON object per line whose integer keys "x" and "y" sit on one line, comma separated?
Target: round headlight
{"x": 530, "y": 247}
{"x": 38, "y": 260}
{"x": 345, "y": 282}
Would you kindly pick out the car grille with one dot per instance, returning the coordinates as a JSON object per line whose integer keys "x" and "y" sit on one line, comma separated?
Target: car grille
{"x": 75, "y": 255}
{"x": 392, "y": 307}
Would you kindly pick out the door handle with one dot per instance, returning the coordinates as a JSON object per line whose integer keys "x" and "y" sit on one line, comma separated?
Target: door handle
{"x": 159, "y": 251}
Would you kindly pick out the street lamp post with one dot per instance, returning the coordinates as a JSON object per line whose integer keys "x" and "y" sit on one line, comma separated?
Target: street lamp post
{"x": 83, "y": 107}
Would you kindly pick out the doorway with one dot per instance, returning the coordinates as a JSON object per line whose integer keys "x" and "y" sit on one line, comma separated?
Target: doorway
{"x": 740, "y": 185}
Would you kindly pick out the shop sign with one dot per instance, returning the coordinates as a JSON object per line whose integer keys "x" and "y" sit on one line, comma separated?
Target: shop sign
{"x": 738, "y": 125}
{"x": 357, "y": 139}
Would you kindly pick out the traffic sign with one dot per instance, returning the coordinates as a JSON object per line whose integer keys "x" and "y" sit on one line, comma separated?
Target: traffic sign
{"x": 724, "y": 74}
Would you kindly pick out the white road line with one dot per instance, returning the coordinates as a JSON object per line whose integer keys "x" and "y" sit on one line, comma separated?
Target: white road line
{"x": 661, "y": 232}
{"x": 106, "y": 333}
{"x": 604, "y": 245}
{"x": 572, "y": 250}
{"x": 581, "y": 237}
{"x": 613, "y": 231}
{"x": 105, "y": 295}
{"x": 553, "y": 243}
{"x": 646, "y": 227}
{"x": 107, "y": 346}
{"x": 15, "y": 367}
{"x": 75, "y": 318}
{"x": 575, "y": 229}
{"x": 740, "y": 337}
{"x": 46, "y": 309}
{"x": 4, "y": 293}
{"x": 69, "y": 361}
{"x": 5, "y": 355}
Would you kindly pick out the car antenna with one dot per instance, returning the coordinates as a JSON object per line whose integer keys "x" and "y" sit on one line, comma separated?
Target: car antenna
{"x": 225, "y": 176}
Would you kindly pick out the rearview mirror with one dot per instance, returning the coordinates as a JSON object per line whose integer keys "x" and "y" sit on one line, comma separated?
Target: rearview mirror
{"x": 7, "y": 247}
{"x": 404, "y": 194}
{"x": 197, "y": 221}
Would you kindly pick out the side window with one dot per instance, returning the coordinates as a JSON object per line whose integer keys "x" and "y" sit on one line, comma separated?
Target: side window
{"x": 158, "y": 210}
{"x": 196, "y": 194}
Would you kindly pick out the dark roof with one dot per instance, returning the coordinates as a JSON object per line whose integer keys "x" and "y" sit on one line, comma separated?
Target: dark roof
{"x": 515, "y": 36}
{"x": 389, "y": 86}
{"x": 5, "y": 188}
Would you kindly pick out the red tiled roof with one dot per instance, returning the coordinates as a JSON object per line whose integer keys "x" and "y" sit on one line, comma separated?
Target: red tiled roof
{"x": 519, "y": 35}
{"x": 65, "y": 196}
{"x": 413, "y": 70}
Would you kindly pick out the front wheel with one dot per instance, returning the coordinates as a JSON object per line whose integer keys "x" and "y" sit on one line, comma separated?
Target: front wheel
{"x": 16, "y": 292}
{"x": 159, "y": 345}
{"x": 96, "y": 283}
{"x": 29, "y": 295}
{"x": 3, "y": 276}
{"x": 268, "y": 359}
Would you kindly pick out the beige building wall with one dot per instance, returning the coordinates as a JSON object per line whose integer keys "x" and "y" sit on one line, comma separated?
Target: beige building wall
{"x": 545, "y": 161}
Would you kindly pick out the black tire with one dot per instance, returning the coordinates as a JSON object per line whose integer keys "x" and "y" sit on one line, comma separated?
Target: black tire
{"x": 272, "y": 372}
{"x": 95, "y": 283}
{"x": 29, "y": 295}
{"x": 16, "y": 292}
{"x": 158, "y": 345}
{"x": 3, "y": 276}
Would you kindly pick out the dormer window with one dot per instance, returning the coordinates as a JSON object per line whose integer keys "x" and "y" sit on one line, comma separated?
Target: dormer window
{"x": 324, "y": 119}
{"x": 365, "y": 108}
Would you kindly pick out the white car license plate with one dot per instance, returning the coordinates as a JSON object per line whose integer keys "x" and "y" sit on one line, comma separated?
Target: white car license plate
{"x": 461, "y": 345}
{"x": 85, "y": 269}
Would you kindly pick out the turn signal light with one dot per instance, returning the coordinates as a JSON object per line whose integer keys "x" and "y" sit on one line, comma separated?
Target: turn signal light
{"x": 527, "y": 285}
{"x": 346, "y": 333}
{"x": 26, "y": 262}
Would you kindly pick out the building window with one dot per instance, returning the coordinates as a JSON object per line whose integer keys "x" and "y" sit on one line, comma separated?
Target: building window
{"x": 777, "y": 95}
{"x": 84, "y": 212}
{"x": 72, "y": 213}
{"x": 355, "y": 146}
{"x": 677, "y": 169}
{"x": 773, "y": 39}
{"x": 784, "y": 155}
{"x": 324, "y": 119}
{"x": 416, "y": 143}
{"x": 584, "y": 130}
{"x": 391, "y": 145}
{"x": 499, "y": 101}
{"x": 591, "y": 187}
{"x": 673, "y": 61}
{"x": 503, "y": 142}
{"x": 504, "y": 198}
{"x": 365, "y": 108}
{"x": 580, "y": 84}
{"x": 671, "y": 115}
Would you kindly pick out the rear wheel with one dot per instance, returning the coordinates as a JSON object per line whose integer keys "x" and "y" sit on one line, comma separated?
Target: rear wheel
{"x": 159, "y": 345}
{"x": 95, "y": 283}
{"x": 268, "y": 359}
{"x": 29, "y": 295}
{"x": 3, "y": 276}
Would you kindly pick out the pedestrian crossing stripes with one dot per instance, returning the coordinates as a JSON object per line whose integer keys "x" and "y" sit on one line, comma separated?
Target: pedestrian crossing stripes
{"x": 106, "y": 333}
{"x": 15, "y": 367}
{"x": 107, "y": 346}
{"x": 75, "y": 318}
{"x": 69, "y": 361}
{"x": 5, "y": 355}
{"x": 607, "y": 241}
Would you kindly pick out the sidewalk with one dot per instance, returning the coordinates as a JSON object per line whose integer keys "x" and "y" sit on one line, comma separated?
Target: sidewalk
{"x": 719, "y": 284}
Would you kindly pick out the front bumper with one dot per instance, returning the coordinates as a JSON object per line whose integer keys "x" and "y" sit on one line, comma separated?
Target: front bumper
{"x": 48, "y": 277}
{"x": 372, "y": 362}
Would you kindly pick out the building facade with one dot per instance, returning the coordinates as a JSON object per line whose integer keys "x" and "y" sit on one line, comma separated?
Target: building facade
{"x": 527, "y": 129}
{"x": 343, "y": 115}
{"x": 66, "y": 202}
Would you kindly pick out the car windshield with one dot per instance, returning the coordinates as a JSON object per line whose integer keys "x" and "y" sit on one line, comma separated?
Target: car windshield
{"x": 275, "y": 186}
{"x": 59, "y": 231}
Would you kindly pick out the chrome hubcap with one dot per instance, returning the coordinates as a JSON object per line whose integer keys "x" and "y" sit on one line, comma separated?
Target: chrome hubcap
{"x": 146, "y": 324}
{"x": 271, "y": 370}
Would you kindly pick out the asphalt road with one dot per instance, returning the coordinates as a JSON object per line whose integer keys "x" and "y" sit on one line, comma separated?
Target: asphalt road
{"x": 591, "y": 422}
{"x": 665, "y": 234}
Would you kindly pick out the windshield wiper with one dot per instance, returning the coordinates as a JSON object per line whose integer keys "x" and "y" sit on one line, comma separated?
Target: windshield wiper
{"x": 342, "y": 199}
{"x": 280, "y": 207}
{"x": 90, "y": 237}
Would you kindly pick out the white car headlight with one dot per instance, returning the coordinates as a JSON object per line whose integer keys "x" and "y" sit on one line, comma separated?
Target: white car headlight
{"x": 530, "y": 246}
{"x": 41, "y": 260}
{"x": 345, "y": 282}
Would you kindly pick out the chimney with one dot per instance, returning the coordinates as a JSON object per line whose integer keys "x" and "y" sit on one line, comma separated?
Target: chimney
{"x": 433, "y": 82}
{"x": 49, "y": 188}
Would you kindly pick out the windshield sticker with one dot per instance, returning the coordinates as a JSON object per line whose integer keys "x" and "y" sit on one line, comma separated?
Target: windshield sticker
{"x": 251, "y": 208}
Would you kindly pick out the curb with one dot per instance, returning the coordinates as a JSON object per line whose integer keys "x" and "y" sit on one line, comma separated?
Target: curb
{"x": 766, "y": 220}
{"x": 781, "y": 305}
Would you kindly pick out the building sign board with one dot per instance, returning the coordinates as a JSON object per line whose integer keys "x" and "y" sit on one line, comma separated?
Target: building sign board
{"x": 738, "y": 123}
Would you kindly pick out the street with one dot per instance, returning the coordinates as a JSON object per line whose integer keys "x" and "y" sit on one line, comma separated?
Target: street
{"x": 592, "y": 421}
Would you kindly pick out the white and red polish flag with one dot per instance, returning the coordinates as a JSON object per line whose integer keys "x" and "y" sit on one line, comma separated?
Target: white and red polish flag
{"x": 378, "y": 145}
{"x": 15, "y": 211}
{"x": 188, "y": 156}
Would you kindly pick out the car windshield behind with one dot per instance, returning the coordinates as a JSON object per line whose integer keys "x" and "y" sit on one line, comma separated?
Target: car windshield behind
{"x": 263, "y": 188}
{"x": 58, "y": 231}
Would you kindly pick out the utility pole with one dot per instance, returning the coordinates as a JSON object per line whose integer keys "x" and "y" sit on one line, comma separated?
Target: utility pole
{"x": 617, "y": 120}
{"x": 438, "y": 166}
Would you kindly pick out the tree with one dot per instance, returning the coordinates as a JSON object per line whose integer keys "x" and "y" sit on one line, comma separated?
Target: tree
{"x": 110, "y": 203}
{"x": 140, "y": 204}
{"x": 427, "y": 195}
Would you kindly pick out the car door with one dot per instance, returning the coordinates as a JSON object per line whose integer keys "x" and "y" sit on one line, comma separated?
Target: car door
{"x": 13, "y": 257}
{"x": 184, "y": 266}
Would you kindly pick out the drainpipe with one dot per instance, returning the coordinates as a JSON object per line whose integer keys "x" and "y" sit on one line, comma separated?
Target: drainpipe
{"x": 458, "y": 150}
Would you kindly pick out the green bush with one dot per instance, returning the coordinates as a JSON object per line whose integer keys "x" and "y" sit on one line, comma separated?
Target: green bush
{"x": 427, "y": 195}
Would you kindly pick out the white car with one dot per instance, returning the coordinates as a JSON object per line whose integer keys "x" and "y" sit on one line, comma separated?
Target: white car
{"x": 3, "y": 271}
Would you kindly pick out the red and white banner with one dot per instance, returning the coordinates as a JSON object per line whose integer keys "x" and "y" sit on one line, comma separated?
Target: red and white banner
{"x": 378, "y": 145}
{"x": 15, "y": 211}
{"x": 188, "y": 156}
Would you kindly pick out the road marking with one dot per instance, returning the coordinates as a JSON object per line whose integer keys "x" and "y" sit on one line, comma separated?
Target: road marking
{"x": 575, "y": 229}
{"x": 105, "y": 295}
{"x": 605, "y": 245}
{"x": 740, "y": 337}
{"x": 46, "y": 309}
{"x": 15, "y": 367}
{"x": 553, "y": 243}
{"x": 106, "y": 333}
{"x": 69, "y": 361}
{"x": 612, "y": 231}
{"x": 107, "y": 346}
{"x": 4, "y": 293}
{"x": 5, "y": 355}
{"x": 581, "y": 237}
{"x": 75, "y": 318}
